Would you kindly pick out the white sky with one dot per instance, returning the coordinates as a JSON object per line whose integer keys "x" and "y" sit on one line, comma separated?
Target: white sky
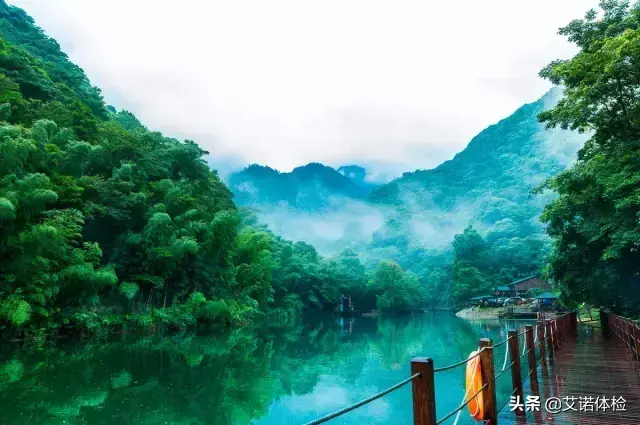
{"x": 287, "y": 82}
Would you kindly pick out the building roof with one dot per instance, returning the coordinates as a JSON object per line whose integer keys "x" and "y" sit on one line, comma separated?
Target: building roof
{"x": 480, "y": 297}
{"x": 547, "y": 296}
{"x": 504, "y": 288}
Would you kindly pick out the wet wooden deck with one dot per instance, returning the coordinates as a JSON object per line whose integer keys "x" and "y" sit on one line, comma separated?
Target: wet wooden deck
{"x": 586, "y": 366}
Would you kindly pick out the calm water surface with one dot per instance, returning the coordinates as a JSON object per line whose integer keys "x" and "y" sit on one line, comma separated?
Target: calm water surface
{"x": 262, "y": 377}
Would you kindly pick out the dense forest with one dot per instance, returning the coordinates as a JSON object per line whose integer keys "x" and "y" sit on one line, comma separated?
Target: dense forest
{"x": 106, "y": 224}
{"x": 462, "y": 228}
{"x": 595, "y": 221}
{"x": 551, "y": 190}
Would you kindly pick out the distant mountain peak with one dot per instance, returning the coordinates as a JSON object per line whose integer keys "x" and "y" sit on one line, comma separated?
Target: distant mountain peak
{"x": 313, "y": 186}
{"x": 354, "y": 172}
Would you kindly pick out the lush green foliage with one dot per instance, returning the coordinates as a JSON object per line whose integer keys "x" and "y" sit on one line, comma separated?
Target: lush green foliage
{"x": 105, "y": 224}
{"x": 418, "y": 220}
{"x": 489, "y": 185}
{"x": 595, "y": 221}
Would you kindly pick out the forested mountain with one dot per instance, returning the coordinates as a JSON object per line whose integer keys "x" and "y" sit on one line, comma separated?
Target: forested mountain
{"x": 105, "y": 224}
{"x": 414, "y": 219}
{"x": 359, "y": 175}
{"x": 487, "y": 186}
{"x": 505, "y": 160}
{"x": 312, "y": 187}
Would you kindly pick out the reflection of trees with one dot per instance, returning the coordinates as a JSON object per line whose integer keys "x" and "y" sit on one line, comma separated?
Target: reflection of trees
{"x": 228, "y": 379}
{"x": 189, "y": 380}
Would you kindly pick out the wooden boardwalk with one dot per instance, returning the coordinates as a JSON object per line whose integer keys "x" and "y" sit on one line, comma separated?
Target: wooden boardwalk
{"x": 586, "y": 366}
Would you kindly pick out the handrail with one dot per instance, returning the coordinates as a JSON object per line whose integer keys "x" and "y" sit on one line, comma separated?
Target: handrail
{"x": 507, "y": 400}
{"x": 460, "y": 363}
{"x": 508, "y": 367}
{"x": 362, "y": 402}
{"x": 621, "y": 327}
{"x": 457, "y": 409}
{"x": 501, "y": 343}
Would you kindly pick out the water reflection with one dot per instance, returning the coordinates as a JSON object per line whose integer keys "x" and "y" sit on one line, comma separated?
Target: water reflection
{"x": 248, "y": 376}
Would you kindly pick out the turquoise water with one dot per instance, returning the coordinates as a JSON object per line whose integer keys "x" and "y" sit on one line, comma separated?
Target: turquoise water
{"x": 260, "y": 376}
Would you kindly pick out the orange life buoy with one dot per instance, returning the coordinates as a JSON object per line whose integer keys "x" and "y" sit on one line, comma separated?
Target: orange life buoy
{"x": 474, "y": 383}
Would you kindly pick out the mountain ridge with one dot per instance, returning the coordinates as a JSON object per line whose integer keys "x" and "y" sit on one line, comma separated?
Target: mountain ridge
{"x": 308, "y": 187}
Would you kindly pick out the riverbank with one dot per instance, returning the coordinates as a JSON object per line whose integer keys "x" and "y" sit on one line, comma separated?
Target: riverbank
{"x": 477, "y": 313}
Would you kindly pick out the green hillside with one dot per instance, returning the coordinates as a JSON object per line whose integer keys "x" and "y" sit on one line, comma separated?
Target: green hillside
{"x": 106, "y": 225}
{"x": 504, "y": 161}
{"x": 485, "y": 190}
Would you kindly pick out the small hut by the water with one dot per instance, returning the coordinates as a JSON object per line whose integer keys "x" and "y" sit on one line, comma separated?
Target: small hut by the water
{"x": 547, "y": 299}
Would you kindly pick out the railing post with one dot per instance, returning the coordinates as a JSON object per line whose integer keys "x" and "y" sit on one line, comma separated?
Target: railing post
{"x": 574, "y": 323}
{"x": 604, "y": 324}
{"x": 628, "y": 334}
{"x": 549, "y": 342}
{"x": 620, "y": 331}
{"x": 531, "y": 347}
{"x": 556, "y": 334}
{"x": 632, "y": 339}
{"x": 543, "y": 354}
{"x": 560, "y": 330}
{"x": 516, "y": 375}
{"x": 488, "y": 377}
{"x": 423, "y": 388}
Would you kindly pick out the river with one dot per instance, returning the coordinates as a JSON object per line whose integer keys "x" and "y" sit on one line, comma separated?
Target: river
{"x": 264, "y": 376}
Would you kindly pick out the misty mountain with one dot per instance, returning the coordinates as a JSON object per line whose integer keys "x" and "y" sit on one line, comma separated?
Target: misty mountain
{"x": 359, "y": 175}
{"x": 312, "y": 187}
{"x": 488, "y": 184}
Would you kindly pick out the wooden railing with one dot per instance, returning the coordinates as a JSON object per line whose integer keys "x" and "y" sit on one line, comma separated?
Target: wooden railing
{"x": 547, "y": 337}
{"x": 626, "y": 331}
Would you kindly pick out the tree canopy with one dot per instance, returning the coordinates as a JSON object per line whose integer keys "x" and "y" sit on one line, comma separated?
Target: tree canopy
{"x": 595, "y": 221}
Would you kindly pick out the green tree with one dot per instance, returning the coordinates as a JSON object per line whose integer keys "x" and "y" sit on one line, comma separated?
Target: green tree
{"x": 396, "y": 290}
{"x": 595, "y": 221}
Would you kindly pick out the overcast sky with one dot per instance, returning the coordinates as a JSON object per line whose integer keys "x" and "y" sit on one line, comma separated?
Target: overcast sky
{"x": 287, "y": 82}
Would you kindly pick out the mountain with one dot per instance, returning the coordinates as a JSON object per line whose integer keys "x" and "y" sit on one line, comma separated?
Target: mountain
{"x": 359, "y": 175}
{"x": 312, "y": 187}
{"x": 489, "y": 183}
{"x": 495, "y": 160}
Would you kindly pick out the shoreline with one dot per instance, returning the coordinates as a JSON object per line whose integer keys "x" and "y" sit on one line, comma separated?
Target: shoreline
{"x": 477, "y": 313}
